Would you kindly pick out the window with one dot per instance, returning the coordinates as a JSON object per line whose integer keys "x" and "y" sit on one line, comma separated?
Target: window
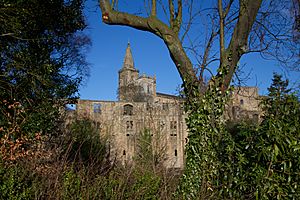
{"x": 175, "y": 152}
{"x": 124, "y": 152}
{"x": 97, "y": 108}
{"x": 186, "y": 140}
{"x": 173, "y": 134}
{"x": 165, "y": 106}
{"x": 70, "y": 107}
{"x": 148, "y": 106}
{"x": 128, "y": 109}
{"x": 129, "y": 125}
{"x": 173, "y": 125}
{"x": 241, "y": 102}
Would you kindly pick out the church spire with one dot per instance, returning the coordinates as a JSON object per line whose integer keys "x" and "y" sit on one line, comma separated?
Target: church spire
{"x": 128, "y": 60}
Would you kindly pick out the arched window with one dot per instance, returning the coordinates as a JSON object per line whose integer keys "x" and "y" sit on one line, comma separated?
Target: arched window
{"x": 128, "y": 109}
{"x": 242, "y": 102}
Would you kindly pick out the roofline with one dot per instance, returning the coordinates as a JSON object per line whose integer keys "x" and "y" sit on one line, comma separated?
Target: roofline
{"x": 168, "y": 95}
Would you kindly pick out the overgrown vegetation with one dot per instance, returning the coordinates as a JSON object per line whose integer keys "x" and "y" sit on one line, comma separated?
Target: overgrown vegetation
{"x": 81, "y": 171}
{"x": 42, "y": 64}
{"x": 249, "y": 160}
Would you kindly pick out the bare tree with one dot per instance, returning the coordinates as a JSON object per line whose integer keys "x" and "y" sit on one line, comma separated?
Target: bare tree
{"x": 202, "y": 34}
{"x": 241, "y": 27}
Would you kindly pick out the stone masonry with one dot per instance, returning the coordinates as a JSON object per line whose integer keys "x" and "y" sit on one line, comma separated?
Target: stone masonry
{"x": 140, "y": 108}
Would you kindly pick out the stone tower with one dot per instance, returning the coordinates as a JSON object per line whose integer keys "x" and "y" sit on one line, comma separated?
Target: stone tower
{"x": 127, "y": 78}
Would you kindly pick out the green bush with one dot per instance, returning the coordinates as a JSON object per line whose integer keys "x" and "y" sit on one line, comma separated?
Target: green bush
{"x": 246, "y": 160}
{"x": 71, "y": 185}
{"x": 15, "y": 182}
{"x": 85, "y": 145}
{"x": 262, "y": 161}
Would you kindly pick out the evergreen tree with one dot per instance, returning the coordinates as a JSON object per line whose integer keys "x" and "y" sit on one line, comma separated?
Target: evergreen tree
{"x": 278, "y": 87}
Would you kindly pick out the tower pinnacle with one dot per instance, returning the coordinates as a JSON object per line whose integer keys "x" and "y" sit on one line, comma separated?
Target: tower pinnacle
{"x": 128, "y": 60}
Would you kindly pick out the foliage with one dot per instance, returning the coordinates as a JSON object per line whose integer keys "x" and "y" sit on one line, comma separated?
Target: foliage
{"x": 206, "y": 132}
{"x": 85, "y": 145}
{"x": 71, "y": 185}
{"x": 14, "y": 183}
{"x": 145, "y": 172}
{"x": 42, "y": 63}
{"x": 76, "y": 174}
{"x": 261, "y": 161}
{"x": 148, "y": 155}
{"x": 249, "y": 160}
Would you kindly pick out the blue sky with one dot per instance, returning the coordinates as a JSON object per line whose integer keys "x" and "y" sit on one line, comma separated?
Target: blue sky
{"x": 150, "y": 57}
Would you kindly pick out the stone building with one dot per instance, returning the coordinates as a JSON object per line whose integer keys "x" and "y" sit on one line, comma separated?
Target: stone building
{"x": 244, "y": 105}
{"x": 140, "y": 108}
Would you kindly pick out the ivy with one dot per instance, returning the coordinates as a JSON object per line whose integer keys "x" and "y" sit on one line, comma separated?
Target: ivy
{"x": 248, "y": 160}
{"x": 205, "y": 124}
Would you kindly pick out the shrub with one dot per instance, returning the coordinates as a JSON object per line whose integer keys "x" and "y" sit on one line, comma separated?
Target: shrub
{"x": 15, "y": 182}
{"x": 262, "y": 161}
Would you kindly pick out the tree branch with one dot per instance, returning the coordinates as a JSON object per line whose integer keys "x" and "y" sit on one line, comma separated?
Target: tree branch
{"x": 160, "y": 29}
{"x": 153, "y": 9}
{"x": 221, "y": 21}
{"x": 228, "y": 8}
{"x": 239, "y": 41}
{"x": 171, "y": 13}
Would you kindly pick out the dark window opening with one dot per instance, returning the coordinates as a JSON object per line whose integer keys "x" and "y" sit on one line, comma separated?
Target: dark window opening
{"x": 173, "y": 134}
{"x": 175, "y": 152}
{"x": 127, "y": 134}
{"x": 242, "y": 102}
{"x": 97, "y": 108}
{"x": 186, "y": 140}
{"x": 129, "y": 125}
{"x": 124, "y": 152}
{"x": 148, "y": 107}
{"x": 173, "y": 125}
{"x": 128, "y": 110}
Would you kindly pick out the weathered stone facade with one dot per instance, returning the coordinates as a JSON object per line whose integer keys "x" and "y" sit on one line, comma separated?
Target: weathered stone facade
{"x": 140, "y": 108}
{"x": 244, "y": 105}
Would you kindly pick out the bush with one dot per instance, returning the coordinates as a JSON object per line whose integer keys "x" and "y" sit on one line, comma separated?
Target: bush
{"x": 15, "y": 182}
{"x": 85, "y": 145}
{"x": 262, "y": 161}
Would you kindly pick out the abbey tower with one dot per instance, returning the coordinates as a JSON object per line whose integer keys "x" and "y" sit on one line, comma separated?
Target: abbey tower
{"x": 133, "y": 87}
{"x": 141, "y": 109}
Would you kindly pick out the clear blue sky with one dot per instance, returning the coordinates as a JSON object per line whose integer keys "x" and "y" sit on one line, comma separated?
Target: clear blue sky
{"x": 150, "y": 56}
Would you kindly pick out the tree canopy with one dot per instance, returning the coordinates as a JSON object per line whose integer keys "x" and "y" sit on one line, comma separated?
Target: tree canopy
{"x": 42, "y": 63}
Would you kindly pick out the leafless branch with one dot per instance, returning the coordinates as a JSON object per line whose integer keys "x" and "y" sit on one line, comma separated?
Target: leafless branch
{"x": 153, "y": 9}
